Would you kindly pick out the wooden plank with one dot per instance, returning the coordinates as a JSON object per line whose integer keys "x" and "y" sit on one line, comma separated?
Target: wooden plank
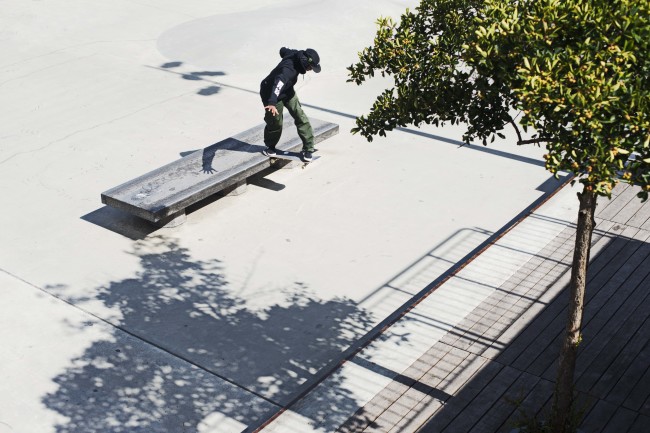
{"x": 600, "y": 271}
{"x": 480, "y": 404}
{"x": 604, "y": 202}
{"x": 618, "y": 189}
{"x": 600, "y": 268}
{"x": 640, "y": 424}
{"x": 463, "y": 335}
{"x": 516, "y": 295}
{"x": 640, "y": 391}
{"x": 630, "y": 209}
{"x": 619, "y": 202}
{"x": 539, "y": 317}
{"x": 378, "y": 413}
{"x": 545, "y": 291}
{"x": 369, "y": 415}
{"x": 621, "y": 422}
{"x": 372, "y": 415}
{"x": 531, "y": 289}
{"x": 532, "y": 407}
{"x": 626, "y": 290}
{"x": 627, "y": 381}
{"x": 598, "y": 417}
{"x": 592, "y": 373}
{"x": 602, "y": 328}
{"x": 460, "y": 401}
{"x": 456, "y": 378}
{"x": 505, "y": 406}
{"x": 532, "y": 328}
{"x": 583, "y": 402}
{"x": 627, "y": 355}
{"x": 642, "y": 217}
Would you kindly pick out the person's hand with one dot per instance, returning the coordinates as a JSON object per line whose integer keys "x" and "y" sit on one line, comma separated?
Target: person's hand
{"x": 272, "y": 109}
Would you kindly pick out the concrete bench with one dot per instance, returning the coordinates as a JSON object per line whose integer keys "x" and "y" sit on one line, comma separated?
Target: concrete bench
{"x": 162, "y": 195}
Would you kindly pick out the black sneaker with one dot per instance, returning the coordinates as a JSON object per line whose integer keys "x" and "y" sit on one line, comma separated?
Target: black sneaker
{"x": 306, "y": 156}
{"x": 269, "y": 151}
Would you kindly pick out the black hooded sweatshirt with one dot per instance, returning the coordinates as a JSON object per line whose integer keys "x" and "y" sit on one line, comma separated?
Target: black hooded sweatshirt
{"x": 278, "y": 85}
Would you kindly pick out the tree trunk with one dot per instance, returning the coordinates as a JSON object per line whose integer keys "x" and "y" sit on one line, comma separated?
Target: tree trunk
{"x": 562, "y": 416}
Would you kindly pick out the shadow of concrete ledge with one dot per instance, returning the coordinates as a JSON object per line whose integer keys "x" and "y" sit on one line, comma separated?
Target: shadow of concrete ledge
{"x": 120, "y": 222}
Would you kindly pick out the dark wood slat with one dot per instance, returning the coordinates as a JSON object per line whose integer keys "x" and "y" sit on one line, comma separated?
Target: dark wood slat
{"x": 598, "y": 417}
{"x": 593, "y": 372}
{"x": 602, "y": 328}
{"x": 640, "y": 424}
{"x": 484, "y": 401}
{"x": 520, "y": 353}
{"x": 532, "y": 407}
{"x": 599, "y": 273}
{"x": 640, "y": 390}
{"x": 530, "y": 333}
{"x": 618, "y": 189}
{"x": 619, "y": 202}
{"x": 622, "y": 421}
{"x": 449, "y": 376}
{"x": 371, "y": 413}
{"x": 642, "y": 217}
{"x": 457, "y": 405}
{"x": 626, "y": 357}
{"x": 505, "y": 406}
{"x": 631, "y": 209}
{"x": 518, "y": 336}
{"x": 519, "y": 292}
{"x": 604, "y": 202}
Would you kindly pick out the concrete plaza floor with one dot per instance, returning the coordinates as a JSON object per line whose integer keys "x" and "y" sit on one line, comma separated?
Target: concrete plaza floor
{"x": 112, "y": 325}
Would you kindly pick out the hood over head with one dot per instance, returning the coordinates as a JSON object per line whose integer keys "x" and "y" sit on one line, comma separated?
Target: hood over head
{"x": 310, "y": 60}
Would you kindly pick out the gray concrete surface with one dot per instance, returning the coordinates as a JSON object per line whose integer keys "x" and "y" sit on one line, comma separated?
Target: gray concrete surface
{"x": 253, "y": 295}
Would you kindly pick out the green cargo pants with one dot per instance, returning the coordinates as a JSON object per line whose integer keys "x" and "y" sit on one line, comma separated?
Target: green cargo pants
{"x": 273, "y": 128}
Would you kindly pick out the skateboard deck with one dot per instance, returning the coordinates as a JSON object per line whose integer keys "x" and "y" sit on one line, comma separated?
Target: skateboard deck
{"x": 292, "y": 156}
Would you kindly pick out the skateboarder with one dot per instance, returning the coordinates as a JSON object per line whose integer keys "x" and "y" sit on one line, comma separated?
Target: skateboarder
{"x": 277, "y": 92}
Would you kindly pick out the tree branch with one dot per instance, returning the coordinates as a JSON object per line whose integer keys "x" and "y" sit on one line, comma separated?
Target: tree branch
{"x": 521, "y": 141}
{"x": 534, "y": 141}
{"x": 514, "y": 125}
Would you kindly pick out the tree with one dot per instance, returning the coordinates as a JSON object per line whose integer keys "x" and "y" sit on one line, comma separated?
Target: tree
{"x": 576, "y": 72}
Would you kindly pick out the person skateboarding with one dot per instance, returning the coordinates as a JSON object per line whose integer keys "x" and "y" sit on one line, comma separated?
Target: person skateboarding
{"x": 277, "y": 92}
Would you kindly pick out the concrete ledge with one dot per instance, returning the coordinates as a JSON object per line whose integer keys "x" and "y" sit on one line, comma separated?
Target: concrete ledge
{"x": 167, "y": 191}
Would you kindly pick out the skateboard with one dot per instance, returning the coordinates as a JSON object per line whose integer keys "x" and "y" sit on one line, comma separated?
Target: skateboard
{"x": 292, "y": 156}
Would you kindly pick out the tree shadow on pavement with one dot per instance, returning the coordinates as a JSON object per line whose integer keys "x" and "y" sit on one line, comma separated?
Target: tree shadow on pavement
{"x": 187, "y": 354}
{"x": 196, "y": 76}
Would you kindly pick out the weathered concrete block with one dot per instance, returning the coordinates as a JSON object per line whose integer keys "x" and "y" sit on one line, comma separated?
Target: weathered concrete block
{"x": 169, "y": 190}
{"x": 236, "y": 189}
{"x": 173, "y": 220}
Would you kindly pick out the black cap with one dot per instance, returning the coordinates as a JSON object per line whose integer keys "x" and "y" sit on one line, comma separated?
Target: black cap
{"x": 313, "y": 59}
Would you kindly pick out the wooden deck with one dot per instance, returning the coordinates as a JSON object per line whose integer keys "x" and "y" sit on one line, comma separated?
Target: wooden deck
{"x": 498, "y": 365}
